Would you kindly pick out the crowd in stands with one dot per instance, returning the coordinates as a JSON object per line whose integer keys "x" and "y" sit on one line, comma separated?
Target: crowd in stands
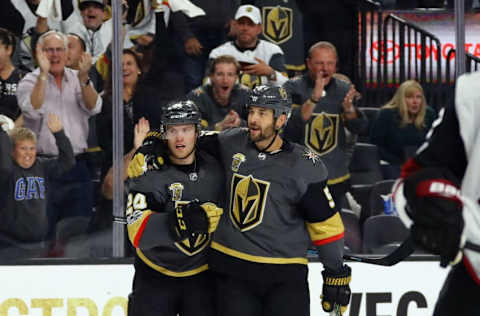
{"x": 57, "y": 108}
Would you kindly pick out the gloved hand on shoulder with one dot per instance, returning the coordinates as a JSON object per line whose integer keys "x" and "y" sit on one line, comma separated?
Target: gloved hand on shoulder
{"x": 151, "y": 155}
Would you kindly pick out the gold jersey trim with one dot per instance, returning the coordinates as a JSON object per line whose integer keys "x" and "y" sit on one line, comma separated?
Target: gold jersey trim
{"x": 331, "y": 227}
{"x": 258, "y": 259}
{"x": 338, "y": 180}
{"x": 295, "y": 67}
{"x": 94, "y": 149}
{"x": 168, "y": 272}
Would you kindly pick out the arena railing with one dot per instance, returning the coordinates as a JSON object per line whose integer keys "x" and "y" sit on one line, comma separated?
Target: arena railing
{"x": 370, "y": 20}
{"x": 472, "y": 64}
{"x": 404, "y": 51}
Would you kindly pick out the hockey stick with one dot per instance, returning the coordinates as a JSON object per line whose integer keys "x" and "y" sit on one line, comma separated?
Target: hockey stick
{"x": 402, "y": 252}
{"x": 336, "y": 311}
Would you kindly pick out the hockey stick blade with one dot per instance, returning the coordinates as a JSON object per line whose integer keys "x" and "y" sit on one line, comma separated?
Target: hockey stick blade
{"x": 402, "y": 252}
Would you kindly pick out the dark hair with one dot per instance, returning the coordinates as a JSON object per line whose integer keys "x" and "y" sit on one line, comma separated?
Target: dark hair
{"x": 7, "y": 38}
{"x": 135, "y": 56}
{"x": 108, "y": 85}
{"x": 82, "y": 42}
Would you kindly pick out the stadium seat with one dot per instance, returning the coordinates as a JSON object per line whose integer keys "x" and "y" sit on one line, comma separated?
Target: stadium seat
{"x": 71, "y": 238}
{"x": 371, "y": 113}
{"x": 365, "y": 164}
{"x": 361, "y": 194}
{"x": 353, "y": 235}
{"x": 382, "y": 234}
{"x": 11, "y": 249}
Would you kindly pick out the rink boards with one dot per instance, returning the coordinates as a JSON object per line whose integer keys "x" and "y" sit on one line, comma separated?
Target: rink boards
{"x": 409, "y": 288}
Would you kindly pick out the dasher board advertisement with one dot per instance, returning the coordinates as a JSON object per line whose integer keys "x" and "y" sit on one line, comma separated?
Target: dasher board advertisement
{"x": 408, "y": 288}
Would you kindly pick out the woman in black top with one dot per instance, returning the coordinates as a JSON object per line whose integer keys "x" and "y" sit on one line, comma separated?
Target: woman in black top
{"x": 401, "y": 125}
{"x": 9, "y": 76}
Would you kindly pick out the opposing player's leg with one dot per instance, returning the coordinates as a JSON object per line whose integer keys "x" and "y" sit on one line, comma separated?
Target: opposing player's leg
{"x": 459, "y": 295}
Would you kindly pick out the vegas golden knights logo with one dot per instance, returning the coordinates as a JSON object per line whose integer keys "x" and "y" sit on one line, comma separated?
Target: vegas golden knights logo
{"x": 321, "y": 133}
{"x": 195, "y": 242}
{"x": 278, "y": 24}
{"x": 247, "y": 201}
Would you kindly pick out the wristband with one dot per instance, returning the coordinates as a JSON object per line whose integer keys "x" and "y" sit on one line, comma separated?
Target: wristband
{"x": 86, "y": 83}
{"x": 313, "y": 100}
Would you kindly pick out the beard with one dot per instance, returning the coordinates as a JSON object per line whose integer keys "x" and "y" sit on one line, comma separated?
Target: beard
{"x": 261, "y": 135}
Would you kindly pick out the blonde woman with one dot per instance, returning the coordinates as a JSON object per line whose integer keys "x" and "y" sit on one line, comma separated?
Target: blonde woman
{"x": 402, "y": 124}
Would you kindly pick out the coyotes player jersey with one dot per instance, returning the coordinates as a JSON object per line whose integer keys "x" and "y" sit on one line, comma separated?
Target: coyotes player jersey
{"x": 457, "y": 130}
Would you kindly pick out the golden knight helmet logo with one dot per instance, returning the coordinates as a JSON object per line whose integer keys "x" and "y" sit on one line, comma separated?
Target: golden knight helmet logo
{"x": 247, "y": 201}
{"x": 278, "y": 25}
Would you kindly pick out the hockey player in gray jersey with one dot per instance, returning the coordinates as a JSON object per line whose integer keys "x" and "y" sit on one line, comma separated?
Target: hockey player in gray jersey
{"x": 277, "y": 204}
{"x": 171, "y": 215}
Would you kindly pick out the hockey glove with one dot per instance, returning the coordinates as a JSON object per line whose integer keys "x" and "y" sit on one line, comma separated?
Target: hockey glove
{"x": 336, "y": 290}
{"x": 434, "y": 204}
{"x": 149, "y": 156}
{"x": 213, "y": 213}
{"x": 194, "y": 218}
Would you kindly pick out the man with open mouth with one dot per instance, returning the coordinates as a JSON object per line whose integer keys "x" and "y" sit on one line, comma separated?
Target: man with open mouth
{"x": 221, "y": 101}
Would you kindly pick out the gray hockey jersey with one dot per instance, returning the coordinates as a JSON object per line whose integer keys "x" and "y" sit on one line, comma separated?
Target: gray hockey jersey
{"x": 151, "y": 199}
{"x": 277, "y": 203}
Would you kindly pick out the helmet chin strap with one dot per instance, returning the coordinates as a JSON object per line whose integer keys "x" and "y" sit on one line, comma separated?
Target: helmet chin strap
{"x": 271, "y": 142}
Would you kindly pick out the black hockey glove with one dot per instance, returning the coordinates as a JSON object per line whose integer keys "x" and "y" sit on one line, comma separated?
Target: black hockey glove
{"x": 434, "y": 204}
{"x": 336, "y": 290}
{"x": 194, "y": 218}
{"x": 150, "y": 155}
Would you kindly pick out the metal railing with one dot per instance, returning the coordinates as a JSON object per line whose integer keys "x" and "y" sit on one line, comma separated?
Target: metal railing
{"x": 472, "y": 64}
{"x": 370, "y": 21}
{"x": 419, "y": 58}
{"x": 399, "y": 50}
